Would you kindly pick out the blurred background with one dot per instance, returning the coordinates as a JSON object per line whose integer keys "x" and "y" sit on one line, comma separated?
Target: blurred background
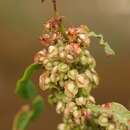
{"x": 20, "y": 26}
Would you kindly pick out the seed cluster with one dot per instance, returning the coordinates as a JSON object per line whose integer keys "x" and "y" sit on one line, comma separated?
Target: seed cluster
{"x": 69, "y": 73}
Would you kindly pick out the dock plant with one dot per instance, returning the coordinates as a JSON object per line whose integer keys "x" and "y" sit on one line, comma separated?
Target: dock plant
{"x": 68, "y": 73}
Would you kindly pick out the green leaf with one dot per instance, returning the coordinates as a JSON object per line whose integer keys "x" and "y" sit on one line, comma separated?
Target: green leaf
{"x": 119, "y": 112}
{"x": 30, "y": 70}
{"x": 25, "y": 87}
{"x": 108, "y": 50}
{"x": 37, "y": 106}
{"x": 22, "y": 118}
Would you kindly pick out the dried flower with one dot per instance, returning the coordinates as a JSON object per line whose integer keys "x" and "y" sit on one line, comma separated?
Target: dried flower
{"x": 40, "y": 56}
{"x": 44, "y": 81}
{"x": 54, "y": 23}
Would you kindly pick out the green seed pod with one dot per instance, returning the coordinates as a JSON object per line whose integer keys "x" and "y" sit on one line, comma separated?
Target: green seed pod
{"x": 80, "y": 101}
{"x": 103, "y": 120}
{"x": 71, "y": 89}
{"x": 95, "y": 79}
{"x": 91, "y": 62}
{"x": 63, "y": 67}
{"x": 45, "y": 61}
{"x": 89, "y": 74}
{"x": 49, "y": 66}
{"x": 69, "y": 58}
{"x": 72, "y": 74}
{"x": 62, "y": 55}
{"x": 82, "y": 81}
{"x": 53, "y": 52}
{"x": 85, "y": 91}
{"x": 84, "y": 60}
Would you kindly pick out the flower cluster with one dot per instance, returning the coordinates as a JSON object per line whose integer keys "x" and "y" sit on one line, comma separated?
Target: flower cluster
{"x": 69, "y": 73}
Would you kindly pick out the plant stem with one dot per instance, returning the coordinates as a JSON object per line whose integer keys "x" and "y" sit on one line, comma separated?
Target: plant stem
{"x": 54, "y": 6}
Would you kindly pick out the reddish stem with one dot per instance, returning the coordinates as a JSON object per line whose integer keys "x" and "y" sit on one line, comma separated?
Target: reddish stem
{"x": 54, "y": 6}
